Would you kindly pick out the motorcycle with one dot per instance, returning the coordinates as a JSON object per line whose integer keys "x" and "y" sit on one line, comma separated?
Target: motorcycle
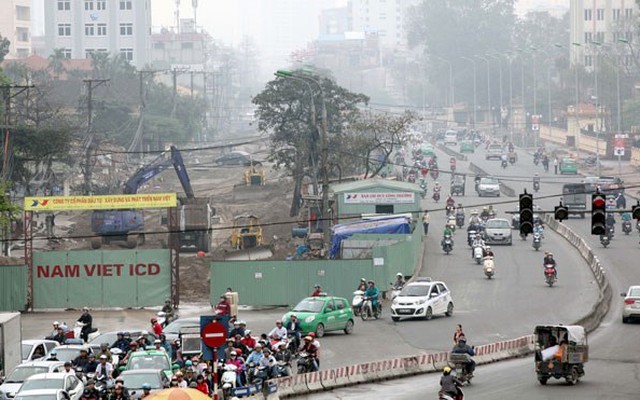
{"x": 489, "y": 267}
{"x": 460, "y": 361}
{"x": 536, "y": 186}
{"x": 423, "y": 187}
{"x": 436, "y": 195}
{"x": 164, "y": 319}
{"x": 77, "y": 332}
{"x": 395, "y": 290}
{"x": 356, "y": 303}
{"x": 504, "y": 164}
{"x": 453, "y": 167}
{"x": 443, "y": 396}
{"x": 471, "y": 234}
{"x": 478, "y": 252}
{"x": 305, "y": 363}
{"x": 447, "y": 244}
{"x": 434, "y": 173}
{"x": 367, "y": 309}
{"x": 537, "y": 238}
{"x": 626, "y": 227}
{"x": 605, "y": 240}
{"x": 550, "y": 274}
{"x": 460, "y": 219}
{"x": 536, "y": 160}
{"x": 229, "y": 380}
{"x": 451, "y": 223}
{"x": 449, "y": 210}
{"x": 282, "y": 369}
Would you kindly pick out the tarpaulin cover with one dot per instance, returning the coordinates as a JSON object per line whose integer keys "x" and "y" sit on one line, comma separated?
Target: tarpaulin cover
{"x": 388, "y": 225}
{"x": 108, "y": 278}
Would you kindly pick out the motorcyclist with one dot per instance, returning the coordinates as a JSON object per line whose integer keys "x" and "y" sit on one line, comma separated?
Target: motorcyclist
{"x": 621, "y": 201}
{"x": 310, "y": 348}
{"x": 485, "y": 213}
{"x": 491, "y": 212}
{"x": 104, "y": 350}
{"x": 90, "y": 391}
{"x": 477, "y": 241}
{"x": 504, "y": 159}
{"x": 60, "y": 337}
{"x": 53, "y": 356}
{"x": 459, "y": 209}
{"x": 538, "y": 229}
{"x": 436, "y": 187}
{"x": 463, "y": 348}
{"x": 362, "y": 285}
{"x": 536, "y": 179}
{"x": 452, "y": 163}
{"x": 317, "y": 291}
{"x": 237, "y": 330}
{"x": 611, "y": 223}
{"x": 447, "y": 230}
{"x": 372, "y": 293}
{"x": 104, "y": 368}
{"x": 399, "y": 283}
{"x": 122, "y": 343}
{"x": 279, "y": 332}
{"x": 294, "y": 329}
{"x": 83, "y": 359}
{"x": 90, "y": 367}
{"x": 450, "y": 385}
{"x": 223, "y": 307}
{"x": 167, "y": 309}
{"x": 450, "y": 202}
{"x": 550, "y": 261}
{"x": 86, "y": 320}
{"x": 488, "y": 252}
{"x": 474, "y": 219}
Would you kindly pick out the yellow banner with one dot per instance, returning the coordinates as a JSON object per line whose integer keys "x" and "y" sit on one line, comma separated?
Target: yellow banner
{"x": 110, "y": 202}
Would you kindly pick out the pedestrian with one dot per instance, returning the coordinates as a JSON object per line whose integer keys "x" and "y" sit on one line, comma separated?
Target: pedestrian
{"x": 555, "y": 165}
{"x": 457, "y": 334}
{"x": 426, "y": 218}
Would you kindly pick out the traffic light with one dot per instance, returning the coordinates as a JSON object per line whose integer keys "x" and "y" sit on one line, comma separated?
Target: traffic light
{"x": 635, "y": 212}
{"x": 561, "y": 213}
{"x": 526, "y": 213}
{"x": 598, "y": 214}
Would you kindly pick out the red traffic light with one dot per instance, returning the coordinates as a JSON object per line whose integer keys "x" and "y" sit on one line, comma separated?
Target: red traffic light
{"x": 599, "y": 201}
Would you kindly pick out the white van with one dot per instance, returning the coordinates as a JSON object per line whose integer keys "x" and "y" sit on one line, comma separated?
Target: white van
{"x": 451, "y": 137}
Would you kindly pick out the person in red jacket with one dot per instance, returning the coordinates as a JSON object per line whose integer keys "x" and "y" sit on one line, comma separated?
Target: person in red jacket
{"x": 223, "y": 307}
{"x": 247, "y": 340}
{"x": 201, "y": 385}
{"x": 157, "y": 328}
{"x": 317, "y": 291}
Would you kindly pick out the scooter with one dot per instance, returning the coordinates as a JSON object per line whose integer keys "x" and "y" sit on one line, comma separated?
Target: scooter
{"x": 395, "y": 291}
{"x": 367, "y": 310}
{"x": 477, "y": 254}
{"x": 423, "y": 187}
{"x": 447, "y": 244}
{"x": 489, "y": 268}
{"x": 282, "y": 369}
{"x": 77, "y": 332}
{"x": 626, "y": 227}
{"x": 549, "y": 274}
{"x": 451, "y": 223}
{"x": 536, "y": 186}
{"x": 305, "y": 363}
{"x": 460, "y": 361}
{"x": 436, "y": 195}
{"x": 504, "y": 164}
{"x": 537, "y": 238}
{"x": 443, "y": 396}
{"x": 229, "y": 380}
{"x": 356, "y": 303}
{"x": 460, "y": 219}
{"x": 605, "y": 240}
{"x": 260, "y": 375}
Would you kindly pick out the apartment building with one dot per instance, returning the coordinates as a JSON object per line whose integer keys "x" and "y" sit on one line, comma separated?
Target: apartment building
{"x": 15, "y": 25}
{"x": 386, "y": 18}
{"x": 597, "y": 23}
{"x": 82, "y": 27}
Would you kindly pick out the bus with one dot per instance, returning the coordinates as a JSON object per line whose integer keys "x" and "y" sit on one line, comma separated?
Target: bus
{"x": 574, "y": 197}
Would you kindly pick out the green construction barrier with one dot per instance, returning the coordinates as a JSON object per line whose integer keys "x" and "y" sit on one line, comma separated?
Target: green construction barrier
{"x": 13, "y": 287}
{"x": 101, "y": 278}
{"x": 285, "y": 283}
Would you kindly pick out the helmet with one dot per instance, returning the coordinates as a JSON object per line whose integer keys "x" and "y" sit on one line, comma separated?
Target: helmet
{"x": 167, "y": 301}
{"x": 53, "y": 352}
{"x": 308, "y": 338}
{"x": 362, "y": 280}
{"x": 85, "y": 349}
{"x": 446, "y": 370}
{"x": 146, "y": 386}
{"x": 399, "y": 274}
{"x": 488, "y": 247}
{"x": 56, "y": 323}
{"x": 154, "y": 319}
{"x": 233, "y": 353}
{"x": 317, "y": 286}
{"x": 312, "y": 334}
{"x": 372, "y": 282}
{"x": 247, "y": 332}
{"x": 462, "y": 339}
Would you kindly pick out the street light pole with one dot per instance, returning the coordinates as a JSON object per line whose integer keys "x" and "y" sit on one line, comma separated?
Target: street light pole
{"x": 575, "y": 110}
{"x": 499, "y": 59}
{"x": 597, "y": 100}
{"x": 475, "y": 89}
{"x": 451, "y": 86}
{"x": 488, "y": 88}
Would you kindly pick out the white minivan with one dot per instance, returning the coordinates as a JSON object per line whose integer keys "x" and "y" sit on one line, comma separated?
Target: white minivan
{"x": 451, "y": 137}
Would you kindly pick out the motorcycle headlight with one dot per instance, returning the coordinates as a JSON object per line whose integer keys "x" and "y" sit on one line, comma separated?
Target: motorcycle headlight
{"x": 310, "y": 319}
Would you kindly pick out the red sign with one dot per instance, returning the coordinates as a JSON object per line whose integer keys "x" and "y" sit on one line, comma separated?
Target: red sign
{"x": 214, "y": 334}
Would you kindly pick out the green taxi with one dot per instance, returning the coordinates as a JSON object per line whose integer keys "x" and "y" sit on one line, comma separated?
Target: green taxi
{"x": 322, "y": 314}
{"x": 428, "y": 150}
{"x": 150, "y": 359}
{"x": 568, "y": 166}
{"x": 467, "y": 146}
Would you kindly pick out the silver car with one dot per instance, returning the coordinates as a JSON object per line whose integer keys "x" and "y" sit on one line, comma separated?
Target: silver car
{"x": 498, "y": 231}
{"x": 62, "y": 381}
{"x": 488, "y": 187}
{"x": 631, "y": 306}
{"x": 14, "y": 380}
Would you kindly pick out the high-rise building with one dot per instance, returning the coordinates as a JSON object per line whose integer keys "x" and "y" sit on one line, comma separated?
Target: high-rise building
{"x": 597, "y": 23}
{"x": 82, "y": 27}
{"x": 386, "y": 18}
{"x": 15, "y": 25}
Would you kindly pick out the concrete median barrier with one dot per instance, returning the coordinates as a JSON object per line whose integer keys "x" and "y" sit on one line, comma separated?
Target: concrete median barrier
{"x": 451, "y": 152}
{"x": 504, "y": 189}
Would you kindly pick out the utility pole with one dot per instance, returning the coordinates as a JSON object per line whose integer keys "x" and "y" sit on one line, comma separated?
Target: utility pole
{"x": 91, "y": 84}
{"x": 9, "y": 92}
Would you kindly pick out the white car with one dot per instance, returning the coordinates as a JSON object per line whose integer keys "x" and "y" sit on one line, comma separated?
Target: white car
{"x": 37, "y": 349}
{"x": 451, "y": 137}
{"x": 498, "y": 231}
{"x": 67, "y": 382}
{"x": 14, "y": 380}
{"x": 488, "y": 187}
{"x": 631, "y": 306}
{"x": 422, "y": 298}
{"x": 44, "y": 394}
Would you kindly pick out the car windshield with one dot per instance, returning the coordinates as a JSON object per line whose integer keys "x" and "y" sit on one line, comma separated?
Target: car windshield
{"x": 498, "y": 223}
{"x": 110, "y": 338}
{"x": 309, "y": 305}
{"x": 488, "y": 181}
{"x": 49, "y": 383}
{"x": 568, "y": 161}
{"x": 135, "y": 381}
{"x": 51, "y": 396}
{"x": 149, "y": 362}
{"x": 20, "y": 374}
{"x": 68, "y": 353}
{"x": 495, "y": 147}
{"x": 634, "y": 292}
{"x": 175, "y": 326}
{"x": 26, "y": 350}
{"x": 415, "y": 290}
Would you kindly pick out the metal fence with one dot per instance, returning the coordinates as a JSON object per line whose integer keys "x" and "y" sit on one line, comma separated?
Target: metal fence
{"x": 13, "y": 287}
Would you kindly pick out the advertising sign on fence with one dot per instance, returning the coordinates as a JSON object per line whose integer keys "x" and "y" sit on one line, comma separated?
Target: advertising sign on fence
{"x": 108, "y": 202}
{"x": 379, "y": 198}
{"x": 108, "y": 278}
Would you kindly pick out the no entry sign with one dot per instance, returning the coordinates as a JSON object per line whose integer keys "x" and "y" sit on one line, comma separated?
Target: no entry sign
{"x": 214, "y": 334}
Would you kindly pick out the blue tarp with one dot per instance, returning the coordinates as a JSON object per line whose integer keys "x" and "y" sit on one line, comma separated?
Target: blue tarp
{"x": 389, "y": 225}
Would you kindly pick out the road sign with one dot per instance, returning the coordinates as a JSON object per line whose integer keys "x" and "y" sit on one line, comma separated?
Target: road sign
{"x": 618, "y": 151}
{"x": 214, "y": 334}
{"x": 535, "y": 122}
{"x": 618, "y": 144}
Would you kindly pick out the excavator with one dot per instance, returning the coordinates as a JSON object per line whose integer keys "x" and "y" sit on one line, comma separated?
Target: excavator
{"x": 128, "y": 225}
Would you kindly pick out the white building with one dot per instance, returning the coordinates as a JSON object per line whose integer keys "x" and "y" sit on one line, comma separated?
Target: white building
{"x": 15, "y": 25}
{"x": 386, "y": 18}
{"x": 595, "y": 23}
{"x": 81, "y": 27}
